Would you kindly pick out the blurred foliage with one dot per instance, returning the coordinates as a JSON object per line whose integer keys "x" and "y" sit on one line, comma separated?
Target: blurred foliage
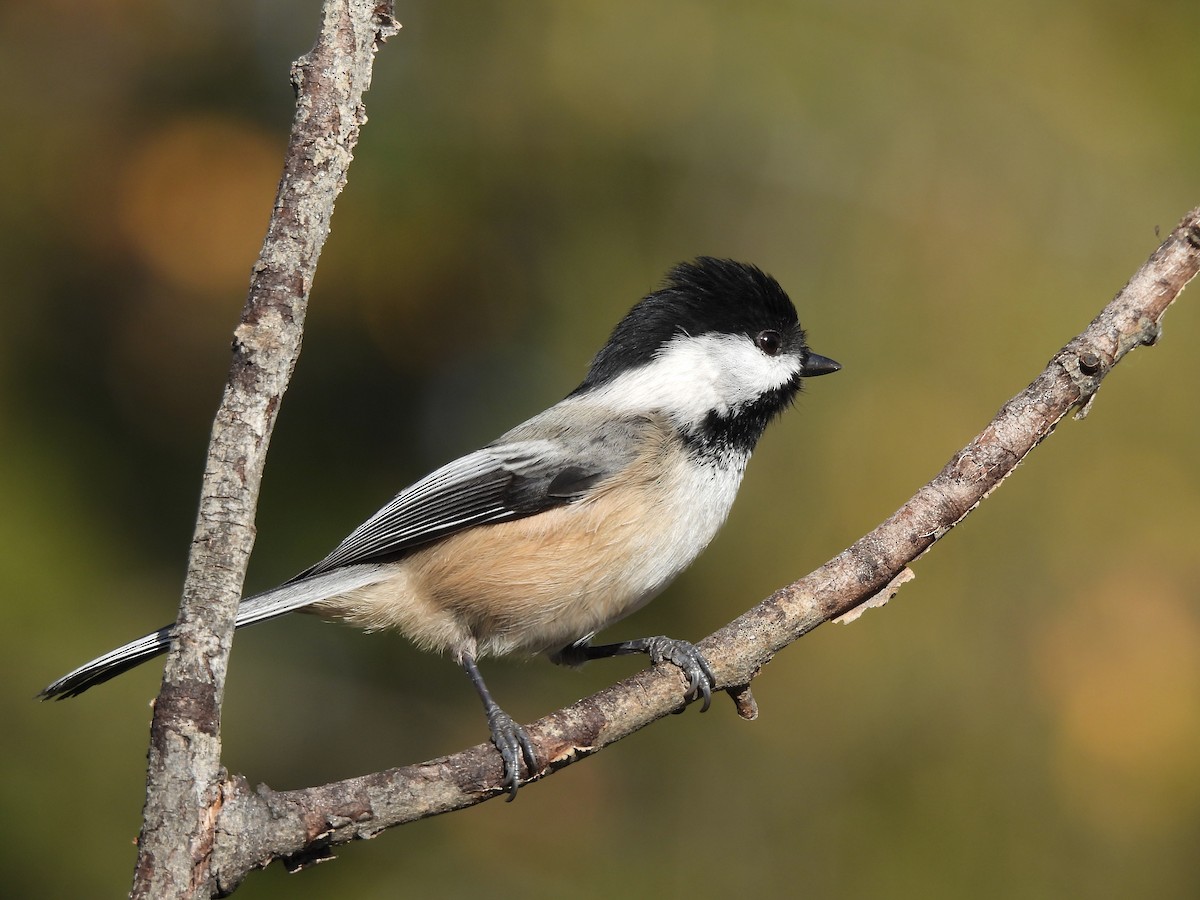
{"x": 949, "y": 191}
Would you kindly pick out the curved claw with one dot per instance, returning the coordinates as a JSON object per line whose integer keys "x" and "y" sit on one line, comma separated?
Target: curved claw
{"x": 696, "y": 669}
{"x": 514, "y": 745}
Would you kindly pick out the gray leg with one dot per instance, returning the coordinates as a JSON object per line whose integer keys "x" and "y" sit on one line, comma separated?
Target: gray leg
{"x": 509, "y": 737}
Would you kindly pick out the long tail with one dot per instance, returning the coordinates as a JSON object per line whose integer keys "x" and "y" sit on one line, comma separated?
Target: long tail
{"x": 259, "y": 608}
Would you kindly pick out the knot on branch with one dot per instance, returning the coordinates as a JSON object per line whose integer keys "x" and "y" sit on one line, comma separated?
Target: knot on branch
{"x": 1085, "y": 365}
{"x": 1089, "y": 363}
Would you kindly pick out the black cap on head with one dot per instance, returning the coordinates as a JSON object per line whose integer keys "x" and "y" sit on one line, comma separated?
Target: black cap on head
{"x": 708, "y": 295}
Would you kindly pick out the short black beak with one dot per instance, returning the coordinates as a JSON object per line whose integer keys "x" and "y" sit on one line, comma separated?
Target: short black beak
{"x": 816, "y": 364}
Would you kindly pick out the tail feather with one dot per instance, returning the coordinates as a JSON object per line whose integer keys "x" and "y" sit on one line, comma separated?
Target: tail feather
{"x": 109, "y": 665}
{"x": 259, "y": 608}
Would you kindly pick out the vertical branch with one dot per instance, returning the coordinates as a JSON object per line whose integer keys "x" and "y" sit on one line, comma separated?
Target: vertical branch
{"x": 184, "y": 776}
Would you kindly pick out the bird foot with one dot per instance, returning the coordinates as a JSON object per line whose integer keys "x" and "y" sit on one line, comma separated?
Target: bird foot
{"x": 514, "y": 745}
{"x": 684, "y": 654}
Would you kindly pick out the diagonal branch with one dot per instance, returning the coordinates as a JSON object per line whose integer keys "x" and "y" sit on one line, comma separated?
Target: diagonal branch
{"x": 184, "y": 776}
{"x": 256, "y": 826}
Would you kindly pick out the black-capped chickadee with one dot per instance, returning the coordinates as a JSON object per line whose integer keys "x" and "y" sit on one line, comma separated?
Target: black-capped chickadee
{"x": 575, "y": 518}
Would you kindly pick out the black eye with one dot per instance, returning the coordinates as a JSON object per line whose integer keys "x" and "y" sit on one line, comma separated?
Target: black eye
{"x": 769, "y": 342}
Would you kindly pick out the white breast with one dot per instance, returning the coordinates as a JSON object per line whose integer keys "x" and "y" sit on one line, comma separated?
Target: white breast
{"x": 701, "y": 498}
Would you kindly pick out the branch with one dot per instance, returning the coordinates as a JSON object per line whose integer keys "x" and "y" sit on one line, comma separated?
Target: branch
{"x": 184, "y": 776}
{"x": 256, "y": 826}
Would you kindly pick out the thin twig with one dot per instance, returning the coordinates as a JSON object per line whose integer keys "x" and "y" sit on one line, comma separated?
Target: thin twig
{"x": 184, "y": 777}
{"x": 256, "y": 826}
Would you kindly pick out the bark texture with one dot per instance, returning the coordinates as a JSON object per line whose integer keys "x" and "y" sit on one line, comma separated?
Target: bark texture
{"x": 185, "y": 783}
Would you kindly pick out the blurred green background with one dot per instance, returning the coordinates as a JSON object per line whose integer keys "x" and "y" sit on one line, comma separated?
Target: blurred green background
{"x": 948, "y": 190}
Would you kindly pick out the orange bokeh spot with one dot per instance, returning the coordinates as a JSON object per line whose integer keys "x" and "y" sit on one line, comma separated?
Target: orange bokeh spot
{"x": 195, "y": 198}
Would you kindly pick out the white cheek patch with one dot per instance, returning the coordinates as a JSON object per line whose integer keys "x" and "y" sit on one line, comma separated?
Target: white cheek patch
{"x": 691, "y": 377}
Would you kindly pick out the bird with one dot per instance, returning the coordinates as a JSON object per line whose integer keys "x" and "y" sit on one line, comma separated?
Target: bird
{"x": 577, "y": 517}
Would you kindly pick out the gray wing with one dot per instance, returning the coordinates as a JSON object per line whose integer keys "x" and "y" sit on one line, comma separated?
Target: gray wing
{"x": 513, "y": 478}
